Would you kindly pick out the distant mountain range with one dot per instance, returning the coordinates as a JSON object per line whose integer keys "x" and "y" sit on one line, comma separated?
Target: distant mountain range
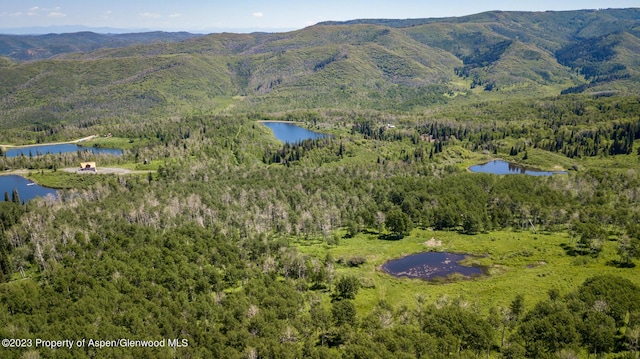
{"x": 43, "y": 30}
{"x": 378, "y": 64}
{"x": 35, "y": 47}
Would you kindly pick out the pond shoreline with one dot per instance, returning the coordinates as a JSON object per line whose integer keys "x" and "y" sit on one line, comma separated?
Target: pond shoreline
{"x": 431, "y": 266}
{"x": 513, "y": 168}
{"x": 278, "y": 121}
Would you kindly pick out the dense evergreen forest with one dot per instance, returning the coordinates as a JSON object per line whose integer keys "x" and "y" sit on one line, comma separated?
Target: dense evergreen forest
{"x": 208, "y": 249}
{"x": 223, "y": 242}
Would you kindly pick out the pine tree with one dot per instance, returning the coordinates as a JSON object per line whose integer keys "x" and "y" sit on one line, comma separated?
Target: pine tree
{"x": 15, "y": 197}
{"x": 5, "y": 264}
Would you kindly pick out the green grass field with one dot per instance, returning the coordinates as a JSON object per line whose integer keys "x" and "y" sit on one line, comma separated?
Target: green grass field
{"x": 63, "y": 180}
{"x": 115, "y": 142}
{"x": 150, "y": 166}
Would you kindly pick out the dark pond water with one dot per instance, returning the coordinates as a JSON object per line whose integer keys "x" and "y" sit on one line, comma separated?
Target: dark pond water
{"x": 428, "y": 265}
{"x": 25, "y": 191}
{"x": 56, "y": 149}
{"x": 291, "y": 133}
{"x": 505, "y": 168}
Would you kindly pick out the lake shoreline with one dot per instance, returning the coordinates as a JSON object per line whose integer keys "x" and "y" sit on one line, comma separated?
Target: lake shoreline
{"x": 59, "y": 148}
{"x": 88, "y": 138}
{"x": 291, "y": 132}
{"x": 26, "y": 187}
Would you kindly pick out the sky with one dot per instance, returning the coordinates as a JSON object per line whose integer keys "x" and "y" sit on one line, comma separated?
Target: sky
{"x": 206, "y": 16}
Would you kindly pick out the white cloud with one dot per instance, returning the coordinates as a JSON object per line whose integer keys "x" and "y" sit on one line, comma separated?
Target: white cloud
{"x": 175, "y": 15}
{"x": 44, "y": 9}
{"x": 37, "y": 10}
{"x": 258, "y": 14}
{"x": 151, "y": 15}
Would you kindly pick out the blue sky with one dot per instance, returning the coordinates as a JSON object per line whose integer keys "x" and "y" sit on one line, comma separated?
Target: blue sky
{"x": 254, "y": 15}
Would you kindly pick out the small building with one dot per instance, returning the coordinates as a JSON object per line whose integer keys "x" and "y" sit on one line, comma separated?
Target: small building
{"x": 88, "y": 166}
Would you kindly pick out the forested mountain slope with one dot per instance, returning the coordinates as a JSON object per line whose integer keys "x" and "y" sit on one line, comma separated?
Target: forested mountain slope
{"x": 379, "y": 64}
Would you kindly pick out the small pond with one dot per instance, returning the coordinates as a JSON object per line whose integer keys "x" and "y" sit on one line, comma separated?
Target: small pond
{"x": 291, "y": 133}
{"x": 40, "y": 150}
{"x": 499, "y": 167}
{"x": 27, "y": 190}
{"x": 428, "y": 265}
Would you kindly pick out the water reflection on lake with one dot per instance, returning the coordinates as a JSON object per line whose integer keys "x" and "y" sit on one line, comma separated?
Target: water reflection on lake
{"x": 428, "y": 265}
{"x": 27, "y": 190}
{"x": 504, "y": 168}
{"x": 40, "y": 150}
{"x": 291, "y": 133}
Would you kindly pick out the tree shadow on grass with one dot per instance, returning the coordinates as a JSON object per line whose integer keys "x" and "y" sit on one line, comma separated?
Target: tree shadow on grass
{"x": 318, "y": 287}
{"x": 569, "y": 249}
{"x": 620, "y": 264}
{"x": 391, "y": 237}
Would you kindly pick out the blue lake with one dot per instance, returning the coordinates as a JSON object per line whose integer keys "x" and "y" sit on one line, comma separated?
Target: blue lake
{"x": 291, "y": 133}
{"x": 25, "y": 191}
{"x": 428, "y": 265}
{"x": 40, "y": 150}
{"x": 505, "y": 168}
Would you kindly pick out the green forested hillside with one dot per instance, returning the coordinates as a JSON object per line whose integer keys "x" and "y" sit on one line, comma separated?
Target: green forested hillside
{"x": 381, "y": 65}
{"x": 215, "y": 240}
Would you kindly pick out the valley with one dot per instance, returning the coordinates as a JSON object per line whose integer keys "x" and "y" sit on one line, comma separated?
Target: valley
{"x": 208, "y": 226}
